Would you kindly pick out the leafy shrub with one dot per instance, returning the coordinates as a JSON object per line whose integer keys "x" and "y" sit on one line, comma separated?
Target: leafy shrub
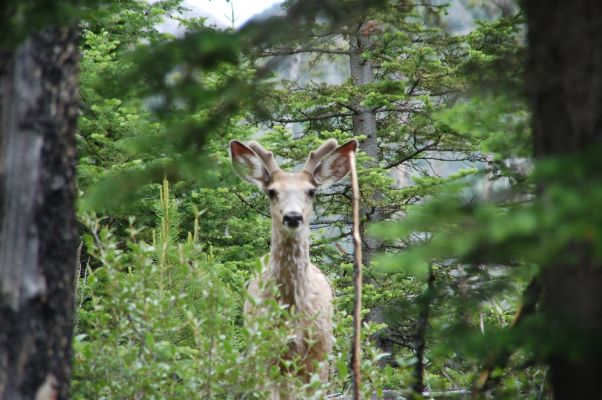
{"x": 164, "y": 320}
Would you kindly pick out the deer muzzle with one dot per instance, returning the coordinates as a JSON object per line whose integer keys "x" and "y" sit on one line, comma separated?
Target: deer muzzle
{"x": 292, "y": 220}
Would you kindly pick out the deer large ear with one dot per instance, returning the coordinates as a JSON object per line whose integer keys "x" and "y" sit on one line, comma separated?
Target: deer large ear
{"x": 248, "y": 165}
{"x": 336, "y": 165}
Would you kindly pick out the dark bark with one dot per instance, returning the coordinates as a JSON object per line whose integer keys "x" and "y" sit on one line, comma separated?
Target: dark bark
{"x": 421, "y": 332}
{"x": 39, "y": 232}
{"x": 564, "y": 82}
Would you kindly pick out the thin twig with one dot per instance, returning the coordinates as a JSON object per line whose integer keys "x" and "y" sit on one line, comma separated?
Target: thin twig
{"x": 357, "y": 277}
{"x": 78, "y": 271}
{"x": 245, "y": 202}
{"x": 543, "y": 384}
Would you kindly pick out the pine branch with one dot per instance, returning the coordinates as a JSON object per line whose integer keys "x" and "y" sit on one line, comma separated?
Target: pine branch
{"x": 312, "y": 118}
{"x": 251, "y": 206}
{"x": 410, "y": 156}
{"x": 301, "y": 50}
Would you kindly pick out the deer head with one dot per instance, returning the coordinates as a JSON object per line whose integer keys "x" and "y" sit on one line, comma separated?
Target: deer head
{"x": 291, "y": 193}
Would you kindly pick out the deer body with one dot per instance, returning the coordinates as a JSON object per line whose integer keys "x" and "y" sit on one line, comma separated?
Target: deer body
{"x": 306, "y": 291}
{"x": 301, "y": 286}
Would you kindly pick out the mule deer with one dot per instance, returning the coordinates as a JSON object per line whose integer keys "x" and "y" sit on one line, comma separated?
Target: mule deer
{"x": 302, "y": 286}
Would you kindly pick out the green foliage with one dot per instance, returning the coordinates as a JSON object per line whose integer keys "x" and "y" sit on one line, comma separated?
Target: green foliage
{"x": 160, "y": 308}
{"x": 483, "y": 247}
{"x": 163, "y": 320}
{"x": 151, "y": 315}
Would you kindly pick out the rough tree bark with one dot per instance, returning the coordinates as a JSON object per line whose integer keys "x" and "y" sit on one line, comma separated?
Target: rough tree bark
{"x": 38, "y": 240}
{"x": 364, "y": 123}
{"x": 564, "y": 82}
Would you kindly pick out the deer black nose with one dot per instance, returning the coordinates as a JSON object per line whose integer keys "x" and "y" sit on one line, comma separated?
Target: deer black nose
{"x": 292, "y": 220}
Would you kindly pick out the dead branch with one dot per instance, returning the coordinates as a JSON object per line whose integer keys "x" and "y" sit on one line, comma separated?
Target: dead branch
{"x": 357, "y": 278}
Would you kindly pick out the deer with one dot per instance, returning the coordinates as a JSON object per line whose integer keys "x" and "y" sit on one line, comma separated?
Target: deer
{"x": 301, "y": 285}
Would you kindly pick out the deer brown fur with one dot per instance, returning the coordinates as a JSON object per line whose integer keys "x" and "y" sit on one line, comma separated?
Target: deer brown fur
{"x": 301, "y": 285}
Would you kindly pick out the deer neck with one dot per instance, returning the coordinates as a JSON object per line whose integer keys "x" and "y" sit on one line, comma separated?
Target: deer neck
{"x": 289, "y": 258}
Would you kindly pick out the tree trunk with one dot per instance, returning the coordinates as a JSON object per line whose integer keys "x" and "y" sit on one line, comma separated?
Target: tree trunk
{"x": 564, "y": 81}
{"x": 39, "y": 230}
{"x": 364, "y": 123}
{"x": 424, "y": 301}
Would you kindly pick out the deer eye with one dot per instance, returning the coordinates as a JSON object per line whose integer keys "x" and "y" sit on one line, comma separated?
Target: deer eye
{"x": 272, "y": 194}
{"x": 311, "y": 192}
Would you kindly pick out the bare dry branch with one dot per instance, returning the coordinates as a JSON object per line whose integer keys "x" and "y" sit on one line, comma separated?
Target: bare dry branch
{"x": 357, "y": 278}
